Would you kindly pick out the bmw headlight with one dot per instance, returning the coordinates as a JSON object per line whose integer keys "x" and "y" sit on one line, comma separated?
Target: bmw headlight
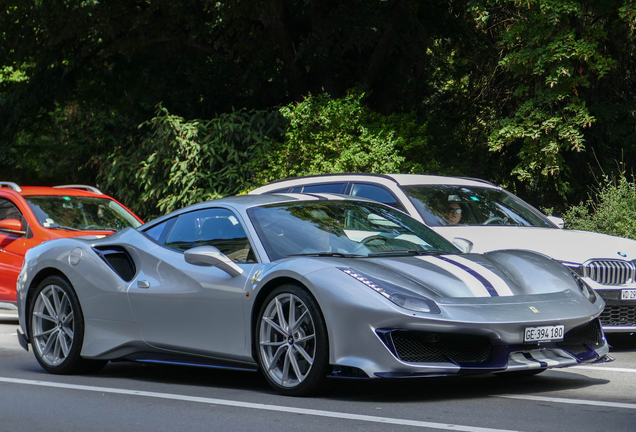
{"x": 398, "y": 295}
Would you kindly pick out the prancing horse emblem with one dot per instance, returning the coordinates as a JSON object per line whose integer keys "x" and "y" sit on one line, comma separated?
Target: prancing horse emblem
{"x": 533, "y": 309}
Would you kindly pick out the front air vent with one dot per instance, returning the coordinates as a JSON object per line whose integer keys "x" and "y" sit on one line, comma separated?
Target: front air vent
{"x": 118, "y": 260}
{"x": 428, "y": 347}
{"x": 619, "y": 316}
{"x": 577, "y": 340}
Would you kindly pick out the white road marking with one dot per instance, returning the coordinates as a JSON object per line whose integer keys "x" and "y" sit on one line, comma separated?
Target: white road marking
{"x": 605, "y": 369}
{"x": 570, "y": 401}
{"x": 232, "y": 403}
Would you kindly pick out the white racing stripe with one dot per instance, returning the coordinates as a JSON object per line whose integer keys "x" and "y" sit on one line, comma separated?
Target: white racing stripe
{"x": 474, "y": 285}
{"x": 498, "y": 283}
{"x": 540, "y": 356}
{"x": 570, "y": 401}
{"x": 250, "y": 405}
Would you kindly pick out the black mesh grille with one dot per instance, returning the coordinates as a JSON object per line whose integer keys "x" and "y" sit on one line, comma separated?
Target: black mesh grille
{"x": 122, "y": 265}
{"x": 425, "y": 347}
{"x": 619, "y": 315}
{"x": 119, "y": 261}
{"x": 578, "y": 339}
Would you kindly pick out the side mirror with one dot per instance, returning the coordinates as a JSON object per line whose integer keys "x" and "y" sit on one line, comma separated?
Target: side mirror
{"x": 464, "y": 245}
{"x": 557, "y": 221}
{"x": 12, "y": 226}
{"x": 209, "y": 256}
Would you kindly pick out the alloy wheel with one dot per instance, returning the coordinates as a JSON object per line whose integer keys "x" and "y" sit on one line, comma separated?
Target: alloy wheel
{"x": 53, "y": 325}
{"x": 287, "y": 340}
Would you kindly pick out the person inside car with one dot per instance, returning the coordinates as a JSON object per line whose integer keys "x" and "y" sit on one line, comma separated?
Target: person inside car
{"x": 453, "y": 213}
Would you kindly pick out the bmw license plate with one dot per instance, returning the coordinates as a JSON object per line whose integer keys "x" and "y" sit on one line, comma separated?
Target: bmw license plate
{"x": 629, "y": 294}
{"x": 542, "y": 334}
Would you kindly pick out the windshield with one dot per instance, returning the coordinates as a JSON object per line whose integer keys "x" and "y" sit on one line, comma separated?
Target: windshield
{"x": 80, "y": 213}
{"x": 443, "y": 205}
{"x": 342, "y": 228}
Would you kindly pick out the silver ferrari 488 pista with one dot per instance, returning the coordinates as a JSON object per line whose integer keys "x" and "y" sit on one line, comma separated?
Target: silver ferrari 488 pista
{"x": 302, "y": 287}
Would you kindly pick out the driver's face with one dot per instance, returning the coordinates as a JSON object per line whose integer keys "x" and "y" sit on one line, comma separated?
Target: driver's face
{"x": 453, "y": 213}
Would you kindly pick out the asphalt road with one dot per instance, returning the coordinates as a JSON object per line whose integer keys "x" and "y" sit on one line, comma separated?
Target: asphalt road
{"x": 134, "y": 397}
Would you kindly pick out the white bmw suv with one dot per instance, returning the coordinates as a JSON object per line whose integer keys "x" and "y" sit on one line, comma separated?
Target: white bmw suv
{"x": 492, "y": 218}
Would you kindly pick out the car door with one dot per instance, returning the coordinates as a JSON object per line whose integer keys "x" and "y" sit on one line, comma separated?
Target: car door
{"x": 13, "y": 247}
{"x": 190, "y": 308}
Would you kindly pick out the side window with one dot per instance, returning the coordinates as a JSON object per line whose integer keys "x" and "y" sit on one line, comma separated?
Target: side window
{"x": 376, "y": 193}
{"x": 323, "y": 188}
{"x": 283, "y": 190}
{"x": 211, "y": 227}
{"x": 160, "y": 232}
{"x": 8, "y": 210}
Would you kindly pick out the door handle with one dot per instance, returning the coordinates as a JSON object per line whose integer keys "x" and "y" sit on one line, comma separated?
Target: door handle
{"x": 143, "y": 284}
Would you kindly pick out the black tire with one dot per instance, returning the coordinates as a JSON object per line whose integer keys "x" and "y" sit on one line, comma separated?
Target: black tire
{"x": 282, "y": 356}
{"x": 56, "y": 327}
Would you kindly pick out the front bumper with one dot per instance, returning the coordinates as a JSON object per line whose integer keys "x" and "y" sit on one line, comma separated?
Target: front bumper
{"x": 423, "y": 353}
{"x": 619, "y": 316}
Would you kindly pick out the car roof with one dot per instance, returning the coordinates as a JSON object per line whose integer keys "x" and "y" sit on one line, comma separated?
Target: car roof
{"x": 419, "y": 179}
{"x": 243, "y": 202}
{"x": 63, "y": 190}
{"x": 386, "y": 179}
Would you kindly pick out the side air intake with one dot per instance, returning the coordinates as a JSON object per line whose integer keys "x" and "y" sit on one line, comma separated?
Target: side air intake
{"x": 119, "y": 260}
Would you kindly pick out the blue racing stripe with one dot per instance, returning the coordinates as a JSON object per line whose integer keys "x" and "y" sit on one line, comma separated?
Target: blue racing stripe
{"x": 491, "y": 289}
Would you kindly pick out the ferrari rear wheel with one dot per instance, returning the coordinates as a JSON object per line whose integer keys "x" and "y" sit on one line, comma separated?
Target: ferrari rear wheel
{"x": 57, "y": 329}
{"x": 293, "y": 347}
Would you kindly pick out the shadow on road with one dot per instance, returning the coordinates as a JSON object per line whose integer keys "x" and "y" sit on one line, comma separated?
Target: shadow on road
{"x": 411, "y": 390}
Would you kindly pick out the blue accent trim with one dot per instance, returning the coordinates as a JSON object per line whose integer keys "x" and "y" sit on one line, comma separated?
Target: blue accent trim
{"x": 529, "y": 357}
{"x": 491, "y": 289}
{"x": 178, "y": 363}
{"x": 184, "y": 360}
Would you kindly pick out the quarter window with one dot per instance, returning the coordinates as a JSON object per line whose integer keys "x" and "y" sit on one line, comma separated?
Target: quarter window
{"x": 323, "y": 188}
{"x": 160, "y": 232}
{"x": 376, "y": 193}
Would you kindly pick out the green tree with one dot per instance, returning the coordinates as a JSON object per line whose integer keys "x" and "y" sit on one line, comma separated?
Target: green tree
{"x": 327, "y": 135}
{"x": 610, "y": 209}
{"x": 181, "y": 162}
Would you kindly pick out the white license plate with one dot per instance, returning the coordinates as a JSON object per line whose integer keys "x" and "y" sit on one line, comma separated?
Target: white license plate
{"x": 629, "y": 294}
{"x": 545, "y": 333}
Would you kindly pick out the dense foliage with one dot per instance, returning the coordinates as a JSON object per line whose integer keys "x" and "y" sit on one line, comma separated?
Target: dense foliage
{"x": 519, "y": 93}
{"x": 329, "y": 136}
{"x": 610, "y": 209}
{"x": 181, "y": 162}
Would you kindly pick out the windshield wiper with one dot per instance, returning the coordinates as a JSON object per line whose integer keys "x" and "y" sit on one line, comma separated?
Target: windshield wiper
{"x": 61, "y": 227}
{"x": 329, "y": 254}
{"x": 408, "y": 252}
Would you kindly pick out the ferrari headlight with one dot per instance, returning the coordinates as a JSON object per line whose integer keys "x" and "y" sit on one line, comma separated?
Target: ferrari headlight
{"x": 575, "y": 268}
{"x": 585, "y": 288}
{"x": 398, "y": 295}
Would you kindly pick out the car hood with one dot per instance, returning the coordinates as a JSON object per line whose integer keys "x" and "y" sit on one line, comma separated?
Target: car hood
{"x": 560, "y": 244}
{"x": 501, "y": 276}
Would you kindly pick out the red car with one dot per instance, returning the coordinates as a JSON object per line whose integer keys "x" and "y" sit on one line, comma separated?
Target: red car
{"x": 30, "y": 215}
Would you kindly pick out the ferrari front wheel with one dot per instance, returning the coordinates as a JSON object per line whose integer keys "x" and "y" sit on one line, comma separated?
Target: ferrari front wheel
{"x": 57, "y": 329}
{"x": 293, "y": 347}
